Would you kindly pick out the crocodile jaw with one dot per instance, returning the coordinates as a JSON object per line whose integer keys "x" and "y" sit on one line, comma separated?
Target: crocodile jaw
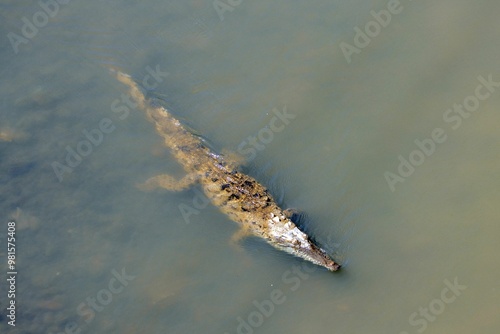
{"x": 312, "y": 253}
{"x": 319, "y": 257}
{"x": 293, "y": 241}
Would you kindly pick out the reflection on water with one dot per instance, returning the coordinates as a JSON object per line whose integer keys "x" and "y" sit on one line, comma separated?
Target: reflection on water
{"x": 97, "y": 255}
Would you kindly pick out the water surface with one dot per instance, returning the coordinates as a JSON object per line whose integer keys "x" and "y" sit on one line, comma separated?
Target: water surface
{"x": 97, "y": 255}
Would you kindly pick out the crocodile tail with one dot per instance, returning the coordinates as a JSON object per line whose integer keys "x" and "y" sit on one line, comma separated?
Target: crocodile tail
{"x": 176, "y": 136}
{"x": 166, "y": 124}
{"x": 134, "y": 90}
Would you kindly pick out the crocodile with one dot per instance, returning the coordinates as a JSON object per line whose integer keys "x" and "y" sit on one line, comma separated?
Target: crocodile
{"x": 239, "y": 196}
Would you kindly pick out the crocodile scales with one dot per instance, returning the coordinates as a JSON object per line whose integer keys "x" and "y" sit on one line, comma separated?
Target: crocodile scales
{"x": 239, "y": 196}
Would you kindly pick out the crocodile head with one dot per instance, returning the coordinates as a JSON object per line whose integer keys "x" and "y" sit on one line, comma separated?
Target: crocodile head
{"x": 310, "y": 252}
{"x": 319, "y": 257}
{"x": 292, "y": 240}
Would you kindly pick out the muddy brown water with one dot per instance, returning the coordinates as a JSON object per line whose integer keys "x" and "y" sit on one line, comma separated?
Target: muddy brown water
{"x": 380, "y": 127}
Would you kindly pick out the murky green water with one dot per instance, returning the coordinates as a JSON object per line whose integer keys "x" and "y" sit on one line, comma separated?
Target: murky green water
{"x": 396, "y": 182}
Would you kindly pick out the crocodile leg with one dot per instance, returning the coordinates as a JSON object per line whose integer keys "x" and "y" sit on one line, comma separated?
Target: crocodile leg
{"x": 168, "y": 182}
{"x": 238, "y": 235}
